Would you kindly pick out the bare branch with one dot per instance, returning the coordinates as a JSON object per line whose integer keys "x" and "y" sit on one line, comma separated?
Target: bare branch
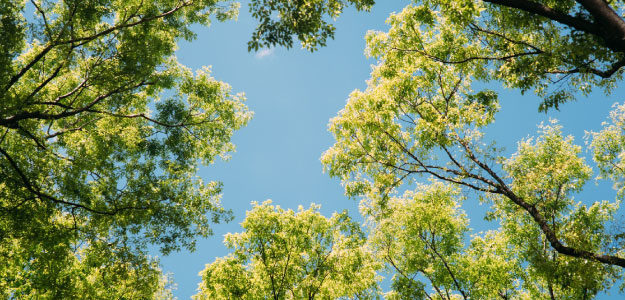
{"x": 45, "y": 19}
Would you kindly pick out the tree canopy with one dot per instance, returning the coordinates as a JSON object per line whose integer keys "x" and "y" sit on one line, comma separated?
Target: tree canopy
{"x": 102, "y": 131}
{"x": 558, "y": 49}
{"x": 282, "y": 254}
{"x": 280, "y": 21}
{"x": 423, "y": 117}
{"x": 554, "y": 48}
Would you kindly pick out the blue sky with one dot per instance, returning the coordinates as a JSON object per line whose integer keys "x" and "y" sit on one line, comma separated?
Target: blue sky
{"x": 293, "y": 94}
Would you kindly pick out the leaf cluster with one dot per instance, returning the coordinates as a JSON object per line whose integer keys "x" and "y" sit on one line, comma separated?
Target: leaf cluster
{"x": 282, "y": 254}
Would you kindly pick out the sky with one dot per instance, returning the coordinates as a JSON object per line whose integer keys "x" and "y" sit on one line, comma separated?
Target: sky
{"x": 293, "y": 94}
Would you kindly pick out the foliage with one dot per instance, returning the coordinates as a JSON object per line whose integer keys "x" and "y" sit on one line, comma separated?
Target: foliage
{"x": 555, "y": 48}
{"x": 422, "y": 236}
{"x": 282, "y": 254}
{"x": 94, "y": 272}
{"x": 422, "y": 117}
{"x": 101, "y": 135}
{"x": 102, "y": 132}
{"x": 282, "y": 20}
{"x": 608, "y": 146}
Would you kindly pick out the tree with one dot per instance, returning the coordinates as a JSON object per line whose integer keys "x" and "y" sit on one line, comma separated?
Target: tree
{"x": 102, "y": 131}
{"x": 282, "y": 20}
{"x": 90, "y": 273}
{"x": 423, "y": 115}
{"x": 423, "y": 235}
{"x": 284, "y": 254}
{"x": 554, "y": 48}
{"x": 90, "y": 176}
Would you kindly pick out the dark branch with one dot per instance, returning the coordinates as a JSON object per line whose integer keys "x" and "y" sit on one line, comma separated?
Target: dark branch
{"x": 41, "y": 195}
{"x": 601, "y": 73}
{"x": 550, "y": 13}
{"x": 83, "y": 40}
{"x": 12, "y": 122}
{"x": 609, "y": 19}
{"x": 551, "y": 236}
{"x": 608, "y": 25}
{"x": 497, "y": 34}
{"x": 468, "y": 59}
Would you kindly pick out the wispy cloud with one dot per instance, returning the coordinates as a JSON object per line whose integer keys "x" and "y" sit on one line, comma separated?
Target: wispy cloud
{"x": 264, "y": 53}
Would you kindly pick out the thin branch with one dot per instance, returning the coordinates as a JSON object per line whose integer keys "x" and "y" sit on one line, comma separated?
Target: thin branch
{"x": 45, "y": 19}
{"x": 12, "y": 122}
{"x": 392, "y": 262}
{"x": 83, "y": 40}
{"x": 427, "y": 168}
{"x": 541, "y": 221}
{"x": 32, "y": 137}
{"x": 4, "y": 135}
{"x": 263, "y": 257}
{"x": 41, "y": 195}
{"x": 480, "y": 29}
{"x": 467, "y": 59}
{"x": 601, "y": 73}
{"x": 432, "y": 246}
{"x": 71, "y": 129}
{"x": 54, "y": 74}
{"x": 144, "y": 116}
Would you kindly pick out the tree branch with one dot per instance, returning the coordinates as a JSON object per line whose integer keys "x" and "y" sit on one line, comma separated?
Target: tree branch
{"x": 86, "y": 39}
{"x": 609, "y": 26}
{"x": 542, "y": 222}
{"x": 550, "y": 13}
{"x": 12, "y": 122}
{"x": 41, "y": 195}
{"x": 468, "y": 59}
{"x": 601, "y": 73}
{"x": 432, "y": 246}
{"x": 606, "y": 16}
